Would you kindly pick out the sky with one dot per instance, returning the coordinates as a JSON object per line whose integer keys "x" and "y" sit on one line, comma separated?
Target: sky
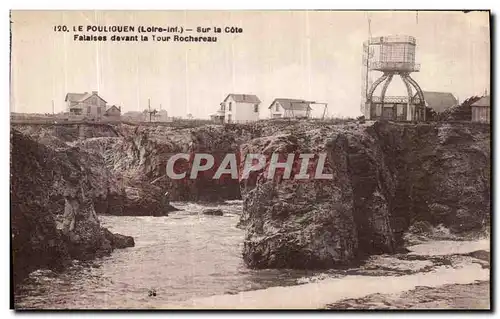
{"x": 312, "y": 55}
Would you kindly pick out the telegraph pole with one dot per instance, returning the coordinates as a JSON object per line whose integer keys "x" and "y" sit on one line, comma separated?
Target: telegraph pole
{"x": 11, "y": 83}
{"x": 149, "y": 108}
{"x": 368, "y": 53}
{"x": 151, "y": 112}
{"x": 53, "y": 108}
{"x": 366, "y": 67}
{"x": 324, "y": 111}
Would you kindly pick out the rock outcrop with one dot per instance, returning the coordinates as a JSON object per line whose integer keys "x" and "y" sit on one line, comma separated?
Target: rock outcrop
{"x": 213, "y": 212}
{"x": 385, "y": 178}
{"x": 137, "y": 159}
{"x": 128, "y": 162}
{"x": 45, "y": 232}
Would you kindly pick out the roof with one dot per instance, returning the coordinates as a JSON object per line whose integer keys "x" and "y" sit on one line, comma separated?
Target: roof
{"x": 439, "y": 101}
{"x": 80, "y": 97}
{"x": 113, "y": 107}
{"x": 484, "y": 101}
{"x": 76, "y": 97}
{"x": 293, "y": 104}
{"x": 246, "y": 98}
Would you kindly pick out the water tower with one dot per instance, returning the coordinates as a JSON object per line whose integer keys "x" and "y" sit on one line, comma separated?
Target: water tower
{"x": 393, "y": 55}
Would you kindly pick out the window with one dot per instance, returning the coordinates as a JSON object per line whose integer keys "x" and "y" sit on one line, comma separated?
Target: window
{"x": 229, "y": 116}
{"x": 400, "y": 112}
{"x": 99, "y": 110}
{"x": 88, "y": 109}
{"x": 256, "y": 108}
{"x": 230, "y": 105}
{"x": 400, "y": 109}
{"x": 277, "y": 107}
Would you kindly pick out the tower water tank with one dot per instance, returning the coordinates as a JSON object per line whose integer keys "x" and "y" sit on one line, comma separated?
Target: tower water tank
{"x": 395, "y": 55}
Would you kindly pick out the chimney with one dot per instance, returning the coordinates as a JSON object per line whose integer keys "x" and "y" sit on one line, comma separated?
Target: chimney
{"x": 94, "y": 92}
{"x": 85, "y": 92}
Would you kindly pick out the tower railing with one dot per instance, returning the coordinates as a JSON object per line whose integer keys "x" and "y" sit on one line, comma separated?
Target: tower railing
{"x": 393, "y": 39}
{"x": 396, "y": 99}
{"x": 395, "y": 66}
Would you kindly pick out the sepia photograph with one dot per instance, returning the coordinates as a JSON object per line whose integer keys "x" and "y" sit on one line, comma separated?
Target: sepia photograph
{"x": 250, "y": 159}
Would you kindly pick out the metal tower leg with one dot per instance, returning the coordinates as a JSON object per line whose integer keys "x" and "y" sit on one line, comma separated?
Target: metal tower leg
{"x": 369, "y": 96}
{"x": 374, "y": 86}
{"x": 410, "y": 93}
{"x": 384, "y": 88}
{"x": 420, "y": 94}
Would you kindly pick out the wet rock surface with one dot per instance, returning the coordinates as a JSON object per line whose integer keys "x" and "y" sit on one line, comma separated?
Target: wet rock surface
{"x": 118, "y": 240}
{"x": 213, "y": 212}
{"x": 427, "y": 257}
{"x": 455, "y": 296}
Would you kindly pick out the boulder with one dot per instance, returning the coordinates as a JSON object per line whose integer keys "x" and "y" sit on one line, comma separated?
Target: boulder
{"x": 213, "y": 212}
{"x": 118, "y": 240}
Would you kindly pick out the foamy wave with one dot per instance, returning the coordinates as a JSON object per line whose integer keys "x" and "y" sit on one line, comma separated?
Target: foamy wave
{"x": 318, "y": 291}
{"x": 318, "y": 295}
{"x": 307, "y": 280}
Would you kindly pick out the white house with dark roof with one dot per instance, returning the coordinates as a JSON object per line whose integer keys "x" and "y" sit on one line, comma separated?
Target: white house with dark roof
{"x": 290, "y": 108}
{"x": 89, "y": 105}
{"x": 238, "y": 108}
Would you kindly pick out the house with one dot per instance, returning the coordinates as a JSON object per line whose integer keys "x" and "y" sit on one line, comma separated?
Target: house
{"x": 290, "y": 108}
{"x": 85, "y": 105}
{"x": 160, "y": 116}
{"x": 481, "y": 110}
{"x": 439, "y": 101}
{"x": 113, "y": 113}
{"x": 217, "y": 117}
{"x": 239, "y": 108}
{"x": 163, "y": 116}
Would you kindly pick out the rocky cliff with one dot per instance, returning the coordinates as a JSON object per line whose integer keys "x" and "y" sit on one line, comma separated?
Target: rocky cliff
{"x": 128, "y": 163}
{"x": 53, "y": 218}
{"x": 385, "y": 178}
